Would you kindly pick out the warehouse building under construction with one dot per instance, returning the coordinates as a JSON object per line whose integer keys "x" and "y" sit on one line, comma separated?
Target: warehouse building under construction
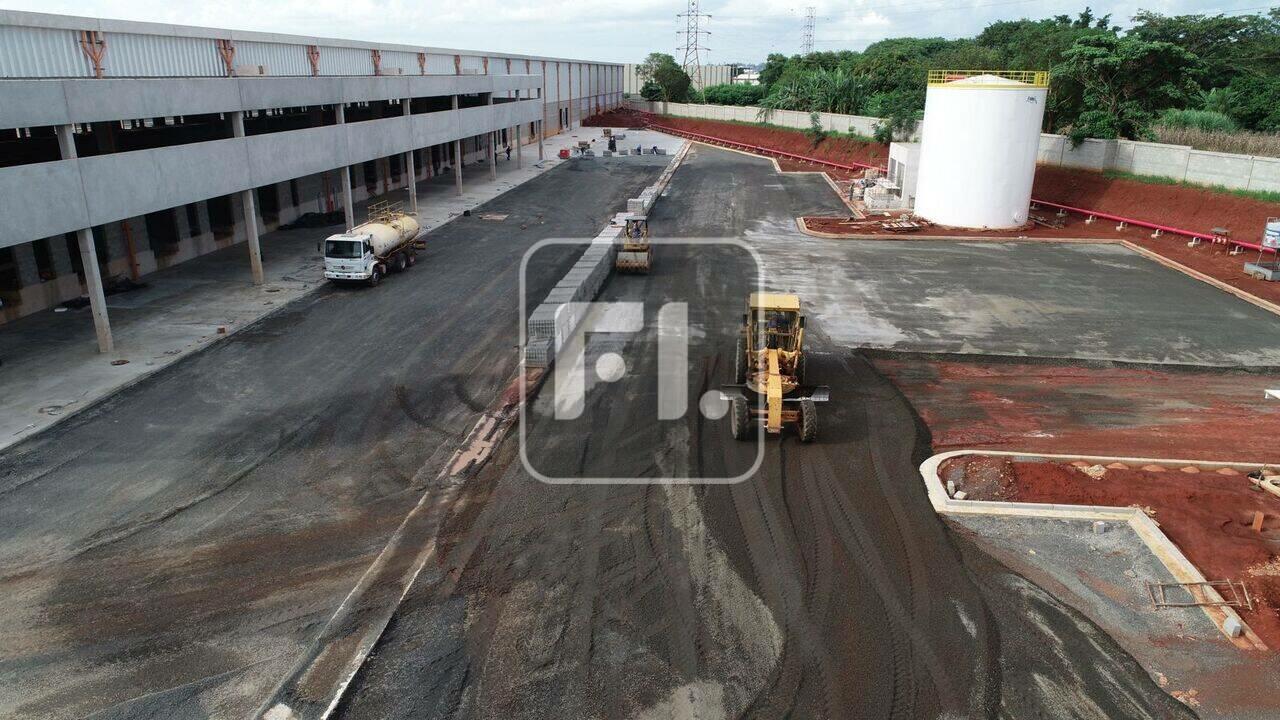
{"x": 128, "y": 147}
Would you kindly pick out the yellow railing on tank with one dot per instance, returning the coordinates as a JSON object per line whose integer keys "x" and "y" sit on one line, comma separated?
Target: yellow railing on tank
{"x": 1034, "y": 78}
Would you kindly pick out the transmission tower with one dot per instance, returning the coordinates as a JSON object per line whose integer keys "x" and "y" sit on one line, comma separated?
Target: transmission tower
{"x": 806, "y": 39}
{"x": 693, "y": 42}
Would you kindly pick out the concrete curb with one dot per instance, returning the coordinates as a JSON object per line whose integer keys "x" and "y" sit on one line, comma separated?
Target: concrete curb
{"x": 1161, "y": 547}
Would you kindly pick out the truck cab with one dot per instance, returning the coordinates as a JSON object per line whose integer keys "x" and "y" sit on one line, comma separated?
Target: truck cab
{"x": 348, "y": 256}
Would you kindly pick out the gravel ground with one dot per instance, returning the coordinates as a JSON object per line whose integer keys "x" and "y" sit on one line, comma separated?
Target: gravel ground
{"x": 822, "y": 586}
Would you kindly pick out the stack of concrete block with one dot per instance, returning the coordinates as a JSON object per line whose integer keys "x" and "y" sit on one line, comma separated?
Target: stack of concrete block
{"x": 554, "y": 321}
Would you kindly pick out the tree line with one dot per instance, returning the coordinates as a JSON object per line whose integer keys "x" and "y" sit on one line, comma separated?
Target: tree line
{"x": 1209, "y": 72}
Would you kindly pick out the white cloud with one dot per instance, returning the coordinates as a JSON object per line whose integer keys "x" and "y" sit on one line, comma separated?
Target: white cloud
{"x": 621, "y": 31}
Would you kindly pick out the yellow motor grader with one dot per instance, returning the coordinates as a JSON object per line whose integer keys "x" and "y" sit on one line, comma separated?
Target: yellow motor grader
{"x": 768, "y": 368}
{"x": 636, "y": 254}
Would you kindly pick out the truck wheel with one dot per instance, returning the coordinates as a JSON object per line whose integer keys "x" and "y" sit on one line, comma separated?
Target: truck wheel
{"x": 808, "y": 421}
{"x": 398, "y": 264}
{"x": 739, "y": 419}
{"x": 411, "y": 259}
{"x": 375, "y": 277}
{"x": 740, "y": 363}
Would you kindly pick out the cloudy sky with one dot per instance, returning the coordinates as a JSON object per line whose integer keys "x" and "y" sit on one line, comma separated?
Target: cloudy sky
{"x": 619, "y": 31}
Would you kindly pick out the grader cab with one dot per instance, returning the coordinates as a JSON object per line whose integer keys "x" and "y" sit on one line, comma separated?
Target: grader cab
{"x": 769, "y": 371}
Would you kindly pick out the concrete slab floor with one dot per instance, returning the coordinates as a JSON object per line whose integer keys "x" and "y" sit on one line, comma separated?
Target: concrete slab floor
{"x": 1100, "y": 302}
{"x": 1063, "y": 300}
{"x": 1104, "y": 577}
{"x": 51, "y": 367}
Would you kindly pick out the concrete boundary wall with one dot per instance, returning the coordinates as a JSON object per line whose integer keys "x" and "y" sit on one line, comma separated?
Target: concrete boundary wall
{"x": 832, "y": 122}
{"x": 1148, "y": 531}
{"x": 1175, "y": 162}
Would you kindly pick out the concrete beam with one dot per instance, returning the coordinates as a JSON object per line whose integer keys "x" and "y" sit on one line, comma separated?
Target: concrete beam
{"x": 89, "y": 258}
{"x": 32, "y": 103}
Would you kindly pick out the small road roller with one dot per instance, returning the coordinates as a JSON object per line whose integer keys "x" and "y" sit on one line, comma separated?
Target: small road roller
{"x": 769, "y": 371}
{"x": 636, "y": 254}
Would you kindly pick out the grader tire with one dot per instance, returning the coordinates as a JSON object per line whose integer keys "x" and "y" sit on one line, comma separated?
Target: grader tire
{"x": 808, "y": 421}
{"x": 800, "y": 368}
{"x": 739, "y": 419}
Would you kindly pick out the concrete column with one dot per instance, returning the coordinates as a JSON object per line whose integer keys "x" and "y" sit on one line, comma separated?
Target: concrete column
{"x": 541, "y": 133}
{"x": 409, "y": 168}
{"x": 519, "y": 150}
{"x": 250, "y": 207}
{"x": 492, "y": 137}
{"x": 457, "y": 157}
{"x": 493, "y": 155}
{"x": 348, "y": 211}
{"x": 89, "y": 258}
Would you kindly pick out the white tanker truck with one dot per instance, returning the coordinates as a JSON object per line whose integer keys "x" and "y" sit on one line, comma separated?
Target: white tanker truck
{"x": 388, "y": 242}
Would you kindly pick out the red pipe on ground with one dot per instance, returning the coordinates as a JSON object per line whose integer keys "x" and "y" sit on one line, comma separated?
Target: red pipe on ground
{"x": 856, "y": 166}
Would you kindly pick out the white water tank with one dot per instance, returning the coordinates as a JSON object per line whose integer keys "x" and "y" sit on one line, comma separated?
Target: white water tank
{"x": 978, "y": 148}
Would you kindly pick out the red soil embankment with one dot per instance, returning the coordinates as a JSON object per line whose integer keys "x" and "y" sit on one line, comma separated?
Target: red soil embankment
{"x": 1207, "y": 515}
{"x": 1180, "y": 206}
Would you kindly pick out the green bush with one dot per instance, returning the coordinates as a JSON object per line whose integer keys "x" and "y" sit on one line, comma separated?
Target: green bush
{"x": 816, "y": 132}
{"x": 733, "y": 94}
{"x": 1203, "y": 120}
{"x": 651, "y": 91}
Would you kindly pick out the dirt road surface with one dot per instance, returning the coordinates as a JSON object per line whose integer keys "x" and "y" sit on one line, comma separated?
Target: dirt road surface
{"x": 822, "y": 586}
{"x": 171, "y": 552}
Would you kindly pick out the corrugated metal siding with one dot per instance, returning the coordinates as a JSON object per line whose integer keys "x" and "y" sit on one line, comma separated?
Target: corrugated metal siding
{"x": 407, "y": 61}
{"x": 130, "y": 55}
{"x": 473, "y": 62}
{"x": 549, "y": 84}
{"x": 41, "y": 53}
{"x": 281, "y": 60}
{"x": 497, "y": 65}
{"x": 345, "y": 61}
{"x": 439, "y": 64}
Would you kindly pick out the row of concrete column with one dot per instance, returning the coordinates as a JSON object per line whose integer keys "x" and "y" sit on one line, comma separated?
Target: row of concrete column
{"x": 88, "y": 250}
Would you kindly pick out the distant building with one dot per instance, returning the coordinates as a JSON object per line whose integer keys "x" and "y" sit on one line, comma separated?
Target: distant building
{"x": 747, "y": 77}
